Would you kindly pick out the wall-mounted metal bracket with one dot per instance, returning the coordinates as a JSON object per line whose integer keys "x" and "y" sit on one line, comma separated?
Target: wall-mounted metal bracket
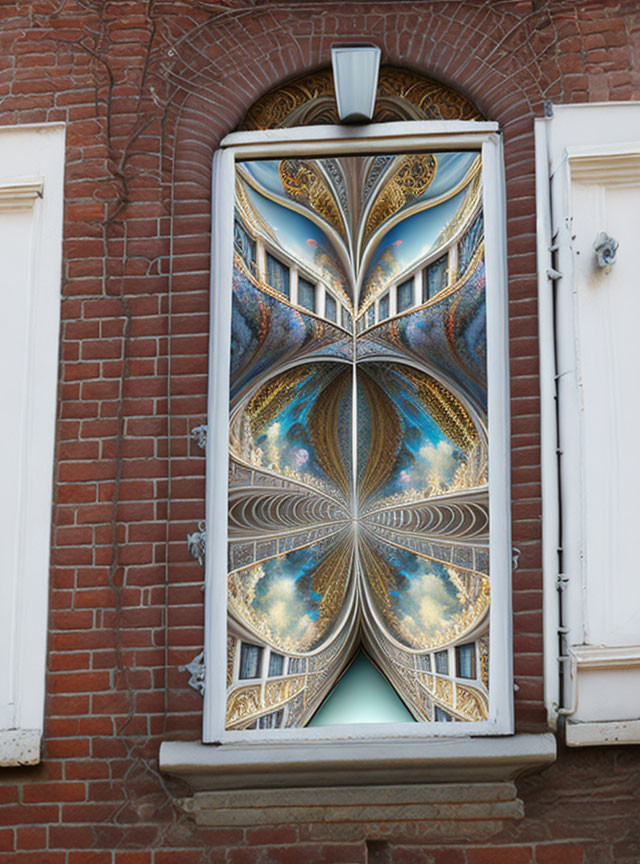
{"x": 606, "y": 249}
{"x": 199, "y": 435}
{"x": 197, "y": 542}
{"x": 196, "y": 670}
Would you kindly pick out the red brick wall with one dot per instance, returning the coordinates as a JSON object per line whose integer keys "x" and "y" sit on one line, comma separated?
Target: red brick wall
{"x": 148, "y": 88}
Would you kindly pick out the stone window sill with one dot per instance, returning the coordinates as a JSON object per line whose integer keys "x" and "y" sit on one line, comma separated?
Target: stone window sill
{"x": 241, "y": 784}
{"x": 19, "y": 747}
{"x": 467, "y": 780}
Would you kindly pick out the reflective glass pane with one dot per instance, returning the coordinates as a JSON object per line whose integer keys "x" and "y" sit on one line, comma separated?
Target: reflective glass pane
{"x": 405, "y": 295}
{"x": 277, "y": 274}
{"x": 442, "y": 662}
{"x": 434, "y": 278}
{"x": 466, "y": 660}
{"x": 244, "y": 245}
{"x": 306, "y": 294}
{"x": 250, "y": 660}
{"x": 442, "y": 716}
{"x": 469, "y": 244}
{"x": 276, "y": 664}
{"x": 271, "y": 721}
{"x": 330, "y": 308}
{"x": 358, "y": 478}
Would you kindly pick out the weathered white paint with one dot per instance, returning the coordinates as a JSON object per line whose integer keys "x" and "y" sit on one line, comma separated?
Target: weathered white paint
{"x": 20, "y": 747}
{"x": 31, "y": 197}
{"x": 594, "y": 156}
{"x": 600, "y": 734}
{"x": 323, "y": 141}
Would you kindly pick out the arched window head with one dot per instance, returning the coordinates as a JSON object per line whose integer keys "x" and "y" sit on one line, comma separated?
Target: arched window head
{"x": 358, "y": 313}
{"x": 403, "y": 94}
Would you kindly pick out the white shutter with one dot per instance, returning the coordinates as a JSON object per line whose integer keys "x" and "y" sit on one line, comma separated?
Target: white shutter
{"x": 31, "y": 195}
{"x": 592, "y": 153}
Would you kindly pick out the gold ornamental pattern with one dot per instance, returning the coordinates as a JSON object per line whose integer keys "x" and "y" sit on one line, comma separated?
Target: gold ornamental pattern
{"x": 251, "y": 701}
{"x": 408, "y": 183}
{"x": 304, "y": 183}
{"x": 402, "y": 95}
{"x": 471, "y": 704}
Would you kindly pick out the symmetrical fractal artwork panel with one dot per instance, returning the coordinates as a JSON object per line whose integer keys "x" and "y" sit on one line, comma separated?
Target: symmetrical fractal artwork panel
{"x": 358, "y": 476}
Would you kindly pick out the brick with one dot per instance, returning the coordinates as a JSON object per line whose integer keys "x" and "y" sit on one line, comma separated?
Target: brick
{"x": 416, "y": 855}
{"x": 133, "y": 857}
{"x": 6, "y": 840}
{"x": 178, "y": 856}
{"x": 500, "y": 855}
{"x": 29, "y": 815}
{"x": 88, "y": 857}
{"x": 326, "y": 854}
{"x": 559, "y": 853}
{"x": 40, "y": 793}
{"x": 79, "y": 682}
{"x": 278, "y": 835}
{"x": 31, "y": 837}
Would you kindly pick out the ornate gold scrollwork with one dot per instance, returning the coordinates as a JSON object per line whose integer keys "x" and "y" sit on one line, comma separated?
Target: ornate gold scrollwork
{"x": 303, "y": 182}
{"x": 402, "y": 95}
{"x": 242, "y": 704}
{"x": 247, "y": 702}
{"x": 408, "y": 183}
{"x": 444, "y": 691}
{"x": 483, "y": 645}
{"x": 471, "y": 704}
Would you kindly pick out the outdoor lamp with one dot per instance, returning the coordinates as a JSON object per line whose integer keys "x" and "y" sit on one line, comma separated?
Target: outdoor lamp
{"x": 355, "y": 77}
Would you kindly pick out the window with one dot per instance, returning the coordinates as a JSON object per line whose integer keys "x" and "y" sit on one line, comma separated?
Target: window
{"x": 346, "y": 320}
{"x": 31, "y": 203}
{"x": 297, "y": 665}
{"x": 371, "y": 315}
{"x": 306, "y": 294}
{"x": 442, "y": 716}
{"x": 425, "y": 662}
{"x": 466, "y": 660}
{"x": 276, "y": 664}
{"x": 442, "y": 662}
{"x": 405, "y": 295}
{"x": 277, "y": 274}
{"x": 434, "y": 278}
{"x": 250, "y": 661}
{"x": 469, "y": 244}
{"x": 382, "y": 433}
{"x": 330, "y": 308}
{"x": 244, "y": 245}
{"x": 271, "y": 721}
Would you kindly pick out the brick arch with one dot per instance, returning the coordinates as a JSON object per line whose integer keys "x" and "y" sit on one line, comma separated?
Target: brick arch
{"x": 402, "y": 94}
{"x": 216, "y": 77}
{"x": 504, "y": 57}
{"x": 491, "y": 56}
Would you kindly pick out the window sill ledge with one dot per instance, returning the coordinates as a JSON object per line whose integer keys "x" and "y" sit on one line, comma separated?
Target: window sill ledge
{"x": 207, "y": 767}
{"x": 19, "y": 747}
{"x": 599, "y": 733}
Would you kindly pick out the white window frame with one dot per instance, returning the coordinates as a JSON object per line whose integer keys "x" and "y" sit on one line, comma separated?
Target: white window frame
{"x": 31, "y": 186}
{"x": 336, "y": 140}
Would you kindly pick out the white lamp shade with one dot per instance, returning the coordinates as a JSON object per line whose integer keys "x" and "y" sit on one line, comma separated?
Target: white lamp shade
{"x": 355, "y": 77}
